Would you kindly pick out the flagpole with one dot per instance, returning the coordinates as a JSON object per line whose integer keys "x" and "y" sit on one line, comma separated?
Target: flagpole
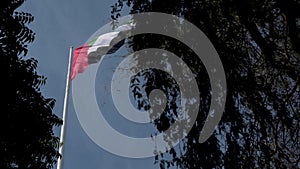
{"x": 65, "y": 111}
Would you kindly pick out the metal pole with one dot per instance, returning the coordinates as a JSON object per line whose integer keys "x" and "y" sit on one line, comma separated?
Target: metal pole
{"x": 65, "y": 111}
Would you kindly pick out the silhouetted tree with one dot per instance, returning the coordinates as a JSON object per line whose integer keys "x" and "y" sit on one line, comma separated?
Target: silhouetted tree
{"x": 259, "y": 44}
{"x": 26, "y": 121}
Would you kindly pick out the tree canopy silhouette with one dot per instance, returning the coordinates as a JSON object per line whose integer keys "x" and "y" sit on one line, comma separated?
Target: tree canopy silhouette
{"x": 26, "y": 123}
{"x": 258, "y": 42}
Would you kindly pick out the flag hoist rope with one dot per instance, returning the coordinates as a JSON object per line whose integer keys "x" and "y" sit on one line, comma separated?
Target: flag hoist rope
{"x": 65, "y": 111}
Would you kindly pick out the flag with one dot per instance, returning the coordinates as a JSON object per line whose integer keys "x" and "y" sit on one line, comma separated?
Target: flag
{"x": 92, "y": 51}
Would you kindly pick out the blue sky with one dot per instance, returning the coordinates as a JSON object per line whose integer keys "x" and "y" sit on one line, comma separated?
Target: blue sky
{"x": 59, "y": 25}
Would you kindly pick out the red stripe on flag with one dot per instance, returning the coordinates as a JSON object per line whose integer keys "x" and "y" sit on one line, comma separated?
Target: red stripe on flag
{"x": 80, "y": 61}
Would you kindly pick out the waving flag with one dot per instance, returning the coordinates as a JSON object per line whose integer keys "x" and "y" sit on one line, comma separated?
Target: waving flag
{"x": 92, "y": 51}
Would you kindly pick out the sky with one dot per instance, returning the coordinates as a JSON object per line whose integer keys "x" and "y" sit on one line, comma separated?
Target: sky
{"x": 59, "y": 25}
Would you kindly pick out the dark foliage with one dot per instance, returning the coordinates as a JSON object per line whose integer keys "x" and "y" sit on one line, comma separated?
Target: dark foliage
{"x": 26, "y": 123}
{"x": 259, "y": 44}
